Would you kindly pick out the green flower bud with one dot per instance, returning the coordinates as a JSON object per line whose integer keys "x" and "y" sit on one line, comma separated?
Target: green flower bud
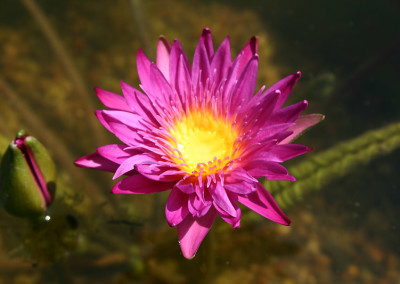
{"x": 27, "y": 177}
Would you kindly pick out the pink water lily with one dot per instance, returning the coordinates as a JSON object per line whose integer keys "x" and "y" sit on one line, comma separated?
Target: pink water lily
{"x": 201, "y": 131}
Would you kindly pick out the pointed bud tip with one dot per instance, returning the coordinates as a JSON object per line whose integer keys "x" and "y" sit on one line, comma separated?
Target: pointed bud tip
{"x": 21, "y": 133}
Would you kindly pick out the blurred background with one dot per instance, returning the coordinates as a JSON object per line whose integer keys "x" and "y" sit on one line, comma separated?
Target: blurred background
{"x": 52, "y": 54}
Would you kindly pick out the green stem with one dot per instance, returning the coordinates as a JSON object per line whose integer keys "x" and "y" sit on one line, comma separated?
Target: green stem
{"x": 62, "y": 54}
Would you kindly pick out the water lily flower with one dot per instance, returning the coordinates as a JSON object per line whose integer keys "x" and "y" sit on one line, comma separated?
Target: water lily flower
{"x": 27, "y": 177}
{"x": 201, "y": 131}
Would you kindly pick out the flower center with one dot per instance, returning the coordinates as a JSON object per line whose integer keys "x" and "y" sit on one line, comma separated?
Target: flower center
{"x": 203, "y": 142}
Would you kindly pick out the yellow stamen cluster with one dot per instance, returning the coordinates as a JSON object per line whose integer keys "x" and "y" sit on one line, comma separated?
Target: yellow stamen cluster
{"x": 203, "y": 142}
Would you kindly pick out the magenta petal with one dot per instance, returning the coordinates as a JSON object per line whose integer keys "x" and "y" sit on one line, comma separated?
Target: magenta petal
{"x": 268, "y": 169}
{"x": 183, "y": 80}
{"x": 221, "y": 62}
{"x": 270, "y": 131}
{"x": 163, "y": 50}
{"x": 138, "y": 184}
{"x": 248, "y": 52}
{"x": 161, "y": 89}
{"x": 95, "y": 161}
{"x": 129, "y": 164}
{"x": 246, "y": 84}
{"x": 192, "y": 231}
{"x": 233, "y": 221}
{"x": 302, "y": 123}
{"x": 288, "y": 114}
{"x": 262, "y": 202}
{"x": 288, "y": 151}
{"x": 143, "y": 68}
{"x": 220, "y": 198}
{"x": 115, "y": 152}
{"x": 155, "y": 172}
{"x": 138, "y": 102}
{"x": 206, "y": 38}
{"x": 200, "y": 67}
{"x": 240, "y": 181}
{"x": 176, "y": 53}
{"x": 285, "y": 86}
{"x": 112, "y": 100}
{"x": 100, "y": 116}
{"x": 240, "y": 187}
{"x": 130, "y": 119}
{"x": 176, "y": 209}
{"x": 197, "y": 207}
{"x": 123, "y": 129}
{"x": 186, "y": 185}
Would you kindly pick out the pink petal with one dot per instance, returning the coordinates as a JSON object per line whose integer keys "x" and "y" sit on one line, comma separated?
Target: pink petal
{"x": 233, "y": 221}
{"x": 112, "y": 100}
{"x": 101, "y": 118}
{"x": 138, "y": 102}
{"x": 289, "y": 113}
{"x": 129, "y": 164}
{"x": 268, "y": 169}
{"x": 197, "y": 207}
{"x": 262, "y": 202}
{"x": 246, "y": 84}
{"x": 176, "y": 209}
{"x": 115, "y": 152}
{"x": 240, "y": 187}
{"x": 130, "y": 119}
{"x": 206, "y": 38}
{"x": 240, "y": 181}
{"x": 95, "y": 161}
{"x": 138, "y": 184}
{"x": 176, "y": 53}
{"x": 221, "y": 62}
{"x": 163, "y": 50}
{"x": 125, "y": 130}
{"x": 200, "y": 67}
{"x": 288, "y": 151}
{"x": 183, "y": 81}
{"x": 220, "y": 198}
{"x": 192, "y": 231}
{"x": 143, "y": 68}
{"x": 155, "y": 172}
{"x": 248, "y": 52}
{"x": 269, "y": 131}
{"x": 161, "y": 89}
{"x": 186, "y": 185}
{"x": 285, "y": 86}
{"x": 302, "y": 123}
{"x": 231, "y": 80}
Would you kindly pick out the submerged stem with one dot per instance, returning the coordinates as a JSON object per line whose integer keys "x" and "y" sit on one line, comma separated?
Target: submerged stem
{"x": 66, "y": 61}
{"x": 338, "y": 161}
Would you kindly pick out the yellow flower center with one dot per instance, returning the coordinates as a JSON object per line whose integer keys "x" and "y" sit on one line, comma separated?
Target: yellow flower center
{"x": 203, "y": 142}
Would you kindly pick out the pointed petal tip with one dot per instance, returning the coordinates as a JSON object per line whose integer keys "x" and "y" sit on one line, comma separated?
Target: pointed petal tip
{"x": 80, "y": 162}
{"x": 254, "y": 44}
{"x": 206, "y": 31}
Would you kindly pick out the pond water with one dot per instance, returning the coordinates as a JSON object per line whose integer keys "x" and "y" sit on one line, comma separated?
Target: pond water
{"x": 345, "y": 226}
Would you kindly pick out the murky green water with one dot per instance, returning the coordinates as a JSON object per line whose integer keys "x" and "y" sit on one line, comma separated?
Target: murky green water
{"x": 346, "y": 232}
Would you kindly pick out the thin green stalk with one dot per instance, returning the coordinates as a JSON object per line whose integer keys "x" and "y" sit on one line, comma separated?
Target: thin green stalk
{"x": 65, "y": 59}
